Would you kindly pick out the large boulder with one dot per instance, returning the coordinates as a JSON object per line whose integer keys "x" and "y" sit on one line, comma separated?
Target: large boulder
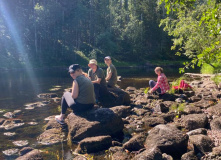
{"x": 94, "y": 144}
{"x": 135, "y": 143}
{"x": 201, "y": 143}
{"x": 216, "y": 124}
{"x": 168, "y": 139}
{"x": 215, "y": 110}
{"x": 50, "y": 136}
{"x": 96, "y": 122}
{"x": 114, "y": 97}
{"x": 32, "y": 155}
{"x": 122, "y": 111}
{"x": 194, "y": 121}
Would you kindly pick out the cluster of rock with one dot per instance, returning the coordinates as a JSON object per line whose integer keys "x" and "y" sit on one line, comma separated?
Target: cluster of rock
{"x": 184, "y": 125}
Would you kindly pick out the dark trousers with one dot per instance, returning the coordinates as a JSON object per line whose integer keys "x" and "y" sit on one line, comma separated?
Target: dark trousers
{"x": 99, "y": 90}
{"x": 152, "y": 84}
{"x": 68, "y": 101}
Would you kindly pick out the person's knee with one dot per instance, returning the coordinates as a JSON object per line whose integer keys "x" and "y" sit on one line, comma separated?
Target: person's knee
{"x": 151, "y": 83}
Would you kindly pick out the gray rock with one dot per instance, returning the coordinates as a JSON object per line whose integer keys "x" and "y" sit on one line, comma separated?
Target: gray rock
{"x": 153, "y": 121}
{"x": 9, "y": 115}
{"x": 20, "y": 143}
{"x": 190, "y": 109}
{"x": 11, "y": 124}
{"x": 51, "y": 136}
{"x": 216, "y": 151}
{"x": 10, "y": 152}
{"x": 96, "y": 122}
{"x": 149, "y": 154}
{"x": 168, "y": 139}
{"x": 32, "y": 155}
{"x": 25, "y": 150}
{"x": 47, "y": 95}
{"x": 166, "y": 157}
{"x": 197, "y": 131}
{"x": 168, "y": 117}
{"x": 189, "y": 156}
{"x": 94, "y": 144}
{"x": 121, "y": 111}
{"x": 135, "y": 143}
{"x": 215, "y": 124}
{"x": 194, "y": 121}
{"x": 52, "y": 124}
{"x": 161, "y": 108}
{"x": 2, "y": 120}
{"x": 215, "y": 110}
{"x": 189, "y": 93}
{"x": 201, "y": 143}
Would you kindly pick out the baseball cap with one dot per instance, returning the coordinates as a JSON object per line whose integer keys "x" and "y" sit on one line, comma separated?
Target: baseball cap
{"x": 107, "y": 57}
{"x": 73, "y": 68}
{"x": 92, "y": 61}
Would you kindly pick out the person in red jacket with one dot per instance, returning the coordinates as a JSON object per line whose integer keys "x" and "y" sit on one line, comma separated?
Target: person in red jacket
{"x": 162, "y": 85}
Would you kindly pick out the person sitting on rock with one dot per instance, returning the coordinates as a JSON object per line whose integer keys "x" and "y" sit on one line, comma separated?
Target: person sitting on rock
{"x": 111, "y": 77}
{"x": 96, "y": 74}
{"x": 162, "y": 85}
{"x": 82, "y": 96}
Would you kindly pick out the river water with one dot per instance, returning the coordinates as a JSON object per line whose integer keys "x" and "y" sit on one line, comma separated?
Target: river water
{"x": 18, "y": 88}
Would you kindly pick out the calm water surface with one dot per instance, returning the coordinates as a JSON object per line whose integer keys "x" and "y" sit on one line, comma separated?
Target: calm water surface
{"x": 18, "y": 88}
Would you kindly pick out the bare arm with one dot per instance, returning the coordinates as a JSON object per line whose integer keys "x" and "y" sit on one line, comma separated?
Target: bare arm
{"x": 98, "y": 81}
{"x": 75, "y": 89}
{"x": 108, "y": 76}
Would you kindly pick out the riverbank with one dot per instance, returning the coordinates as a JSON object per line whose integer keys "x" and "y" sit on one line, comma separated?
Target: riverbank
{"x": 186, "y": 121}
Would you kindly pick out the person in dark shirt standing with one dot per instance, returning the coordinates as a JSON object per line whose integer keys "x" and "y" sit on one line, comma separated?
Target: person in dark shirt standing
{"x": 111, "y": 77}
{"x": 96, "y": 74}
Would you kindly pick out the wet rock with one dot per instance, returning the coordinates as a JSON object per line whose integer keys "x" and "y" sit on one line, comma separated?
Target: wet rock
{"x": 153, "y": 121}
{"x": 189, "y": 156}
{"x": 135, "y": 143}
{"x": 117, "y": 153}
{"x": 94, "y": 144}
{"x": 149, "y": 154}
{"x": 121, "y": 111}
{"x": 215, "y": 110}
{"x": 9, "y": 134}
{"x": 20, "y": 143}
{"x": 29, "y": 107}
{"x": 32, "y": 155}
{"x": 2, "y": 120}
{"x": 56, "y": 99}
{"x": 11, "y": 124}
{"x": 160, "y": 107}
{"x": 51, "y": 136}
{"x": 32, "y": 123}
{"x": 36, "y": 104}
{"x": 168, "y": 139}
{"x": 190, "y": 109}
{"x": 201, "y": 143}
{"x": 216, "y": 124}
{"x": 166, "y": 157}
{"x": 197, "y": 131}
{"x": 194, "y": 121}
{"x": 25, "y": 150}
{"x": 16, "y": 112}
{"x": 96, "y": 122}
{"x": 10, "y": 152}
{"x": 9, "y": 115}
{"x": 47, "y": 95}
{"x": 50, "y": 118}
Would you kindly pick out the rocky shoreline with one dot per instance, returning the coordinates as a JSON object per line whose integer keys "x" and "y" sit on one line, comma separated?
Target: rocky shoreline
{"x": 129, "y": 124}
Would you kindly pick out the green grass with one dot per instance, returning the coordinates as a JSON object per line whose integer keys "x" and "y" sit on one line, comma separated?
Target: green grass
{"x": 217, "y": 79}
{"x": 208, "y": 69}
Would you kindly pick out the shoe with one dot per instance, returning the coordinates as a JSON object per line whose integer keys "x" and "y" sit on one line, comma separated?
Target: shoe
{"x": 59, "y": 121}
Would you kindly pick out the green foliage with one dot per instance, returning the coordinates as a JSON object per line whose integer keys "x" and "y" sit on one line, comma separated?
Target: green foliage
{"x": 211, "y": 69}
{"x": 217, "y": 79}
{"x": 195, "y": 26}
{"x": 146, "y": 90}
{"x": 178, "y": 108}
